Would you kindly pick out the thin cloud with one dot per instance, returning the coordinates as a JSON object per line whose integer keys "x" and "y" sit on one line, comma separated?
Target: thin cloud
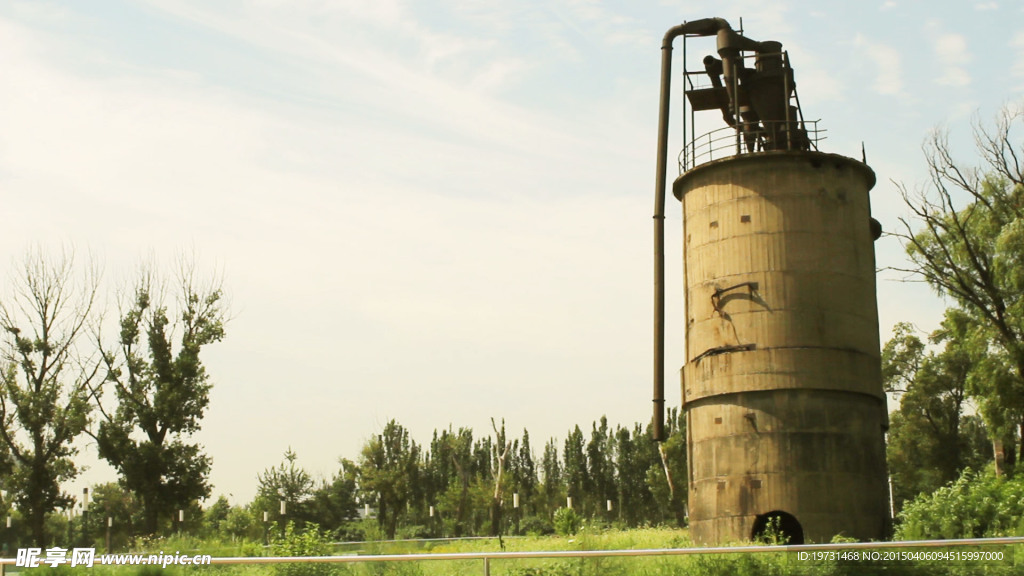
{"x": 1017, "y": 44}
{"x": 499, "y": 74}
{"x": 601, "y": 25}
{"x": 951, "y": 55}
{"x": 951, "y": 50}
{"x": 388, "y": 82}
{"x": 888, "y": 63}
{"x": 774, "y": 19}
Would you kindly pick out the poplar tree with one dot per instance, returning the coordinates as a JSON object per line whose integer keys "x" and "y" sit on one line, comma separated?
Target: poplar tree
{"x": 524, "y": 476}
{"x": 600, "y": 468}
{"x": 574, "y": 470}
{"x": 162, "y": 393}
{"x": 452, "y": 464}
{"x": 552, "y": 487}
{"x": 389, "y": 468}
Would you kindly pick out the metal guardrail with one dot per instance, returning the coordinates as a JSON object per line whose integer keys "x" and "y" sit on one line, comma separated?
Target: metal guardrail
{"x": 728, "y": 141}
{"x": 487, "y": 557}
{"x": 353, "y": 543}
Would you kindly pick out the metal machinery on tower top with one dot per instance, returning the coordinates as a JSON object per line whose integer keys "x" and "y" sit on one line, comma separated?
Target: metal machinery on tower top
{"x": 759, "y": 103}
{"x": 782, "y": 394}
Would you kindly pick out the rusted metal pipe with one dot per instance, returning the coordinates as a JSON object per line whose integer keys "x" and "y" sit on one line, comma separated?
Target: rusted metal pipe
{"x": 705, "y": 27}
{"x": 730, "y": 44}
{"x": 658, "y": 422}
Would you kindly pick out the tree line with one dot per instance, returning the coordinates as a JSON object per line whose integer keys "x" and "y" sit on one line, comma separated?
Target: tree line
{"x": 460, "y": 485}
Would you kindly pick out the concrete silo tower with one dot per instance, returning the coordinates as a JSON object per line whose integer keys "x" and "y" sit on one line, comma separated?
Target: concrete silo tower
{"x": 782, "y": 390}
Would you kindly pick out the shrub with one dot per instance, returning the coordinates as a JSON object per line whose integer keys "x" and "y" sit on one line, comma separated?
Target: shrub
{"x": 773, "y": 534}
{"x": 567, "y": 522}
{"x": 249, "y": 548}
{"x": 536, "y": 526}
{"x": 241, "y": 523}
{"x": 412, "y": 532}
{"x": 307, "y": 542}
{"x": 352, "y": 531}
{"x": 975, "y": 505}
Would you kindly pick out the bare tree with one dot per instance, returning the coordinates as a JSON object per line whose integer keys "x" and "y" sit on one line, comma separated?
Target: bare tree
{"x": 500, "y": 452}
{"x": 965, "y": 238}
{"x": 44, "y": 401}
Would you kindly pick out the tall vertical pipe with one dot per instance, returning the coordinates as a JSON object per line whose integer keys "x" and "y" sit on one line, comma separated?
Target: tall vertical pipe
{"x": 658, "y": 424}
{"x": 730, "y": 42}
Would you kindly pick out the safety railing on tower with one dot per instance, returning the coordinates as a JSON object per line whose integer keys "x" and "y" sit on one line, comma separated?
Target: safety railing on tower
{"x": 727, "y": 141}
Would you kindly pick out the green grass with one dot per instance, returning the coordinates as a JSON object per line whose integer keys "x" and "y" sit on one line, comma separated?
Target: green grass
{"x": 647, "y": 538}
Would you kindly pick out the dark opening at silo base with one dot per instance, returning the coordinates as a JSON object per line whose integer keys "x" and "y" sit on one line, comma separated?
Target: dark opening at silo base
{"x": 777, "y": 527}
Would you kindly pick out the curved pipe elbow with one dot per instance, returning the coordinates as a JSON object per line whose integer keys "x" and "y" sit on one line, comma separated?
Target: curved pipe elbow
{"x": 702, "y": 27}
{"x": 729, "y": 41}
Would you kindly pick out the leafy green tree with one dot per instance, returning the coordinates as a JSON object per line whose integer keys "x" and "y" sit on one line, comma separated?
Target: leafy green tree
{"x": 667, "y": 479}
{"x": 162, "y": 395}
{"x": 111, "y": 500}
{"x": 901, "y": 358}
{"x": 215, "y": 515}
{"x": 973, "y": 253}
{"x": 287, "y": 483}
{"x": 523, "y": 476}
{"x": 636, "y": 454}
{"x": 334, "y": 502}
{"x": 452, "y": 467}
{"x": 388, "y": 471}
{"x": 931, "y": 437}
{"x": 45, "y": 388}
{"x": 552, "y": 487}
{"x": 241, "y": 523}
{"x": 600, "y": 469}
{"x": 574, "y": 470}
{"x": 481, "y": 485}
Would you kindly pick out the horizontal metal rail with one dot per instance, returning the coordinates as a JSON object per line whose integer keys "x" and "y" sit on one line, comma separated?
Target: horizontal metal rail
{"x": 420, "y": 540}
{"x": 486, "y": 556}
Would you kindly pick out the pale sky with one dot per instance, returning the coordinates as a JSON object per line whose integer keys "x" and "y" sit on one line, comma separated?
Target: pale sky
{"x": 434, "y": 211}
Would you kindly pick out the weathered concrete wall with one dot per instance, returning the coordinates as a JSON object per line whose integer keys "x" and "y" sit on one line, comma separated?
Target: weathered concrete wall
{"x": 782, "y": 385}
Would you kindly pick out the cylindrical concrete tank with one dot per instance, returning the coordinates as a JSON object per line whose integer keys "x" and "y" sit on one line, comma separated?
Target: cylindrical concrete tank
{"x": 782, "y": 389}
